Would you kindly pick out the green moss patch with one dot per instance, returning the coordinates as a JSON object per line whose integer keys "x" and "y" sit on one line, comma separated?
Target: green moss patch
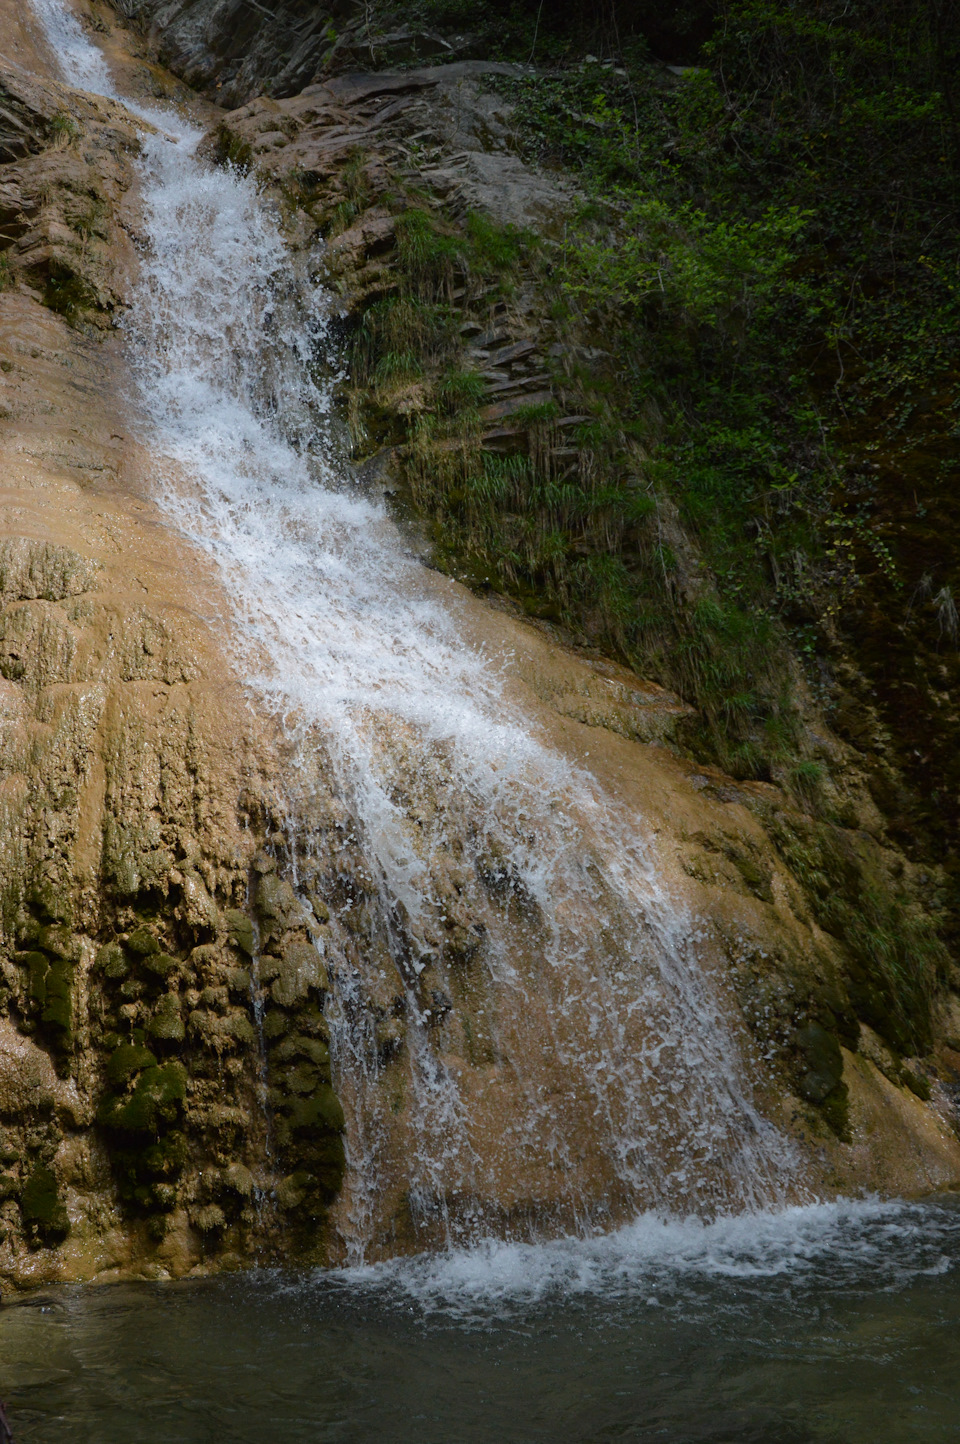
{"x": 42, "y": 1208}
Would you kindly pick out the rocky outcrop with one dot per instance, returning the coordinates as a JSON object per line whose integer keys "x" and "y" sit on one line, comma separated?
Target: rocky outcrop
{"x": 386, "y": 166}
{"x": 64, "y": 169}
{"x": 150, "y": 959}
{"x": 234, "y": 49}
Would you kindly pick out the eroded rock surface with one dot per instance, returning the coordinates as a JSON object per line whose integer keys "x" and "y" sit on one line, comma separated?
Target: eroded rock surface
{"x": 135, "y": 792}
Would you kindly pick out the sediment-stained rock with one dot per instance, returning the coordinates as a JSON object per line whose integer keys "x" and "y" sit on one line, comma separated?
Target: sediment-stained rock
{"x": 135, "y": 790}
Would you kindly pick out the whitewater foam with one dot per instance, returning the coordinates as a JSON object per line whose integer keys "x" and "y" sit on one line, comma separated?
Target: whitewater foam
{"x": 653, "y": 1259}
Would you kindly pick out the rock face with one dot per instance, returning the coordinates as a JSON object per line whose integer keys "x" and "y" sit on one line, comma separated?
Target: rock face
{"x": 166, "y": 1100}
{"x": 233, "y": 49}
{"x": 135, "y": 792}
{"x": 64, "y": 167}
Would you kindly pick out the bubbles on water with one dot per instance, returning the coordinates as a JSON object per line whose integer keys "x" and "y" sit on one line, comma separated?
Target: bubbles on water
{"x": 655, "y": 1260}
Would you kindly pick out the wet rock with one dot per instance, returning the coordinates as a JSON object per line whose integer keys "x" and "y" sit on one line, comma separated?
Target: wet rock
{"x": 42, "y": 1208}
{"x": 821, "y": 1062}
{"x": 197, "y": 907}
{"x": 28, "y": 1080}
{"x": 240, "y": 931}
{"x": 300, "y": 970}
{"x": 239, "y": 1179}
{"x": 31, "y": 570}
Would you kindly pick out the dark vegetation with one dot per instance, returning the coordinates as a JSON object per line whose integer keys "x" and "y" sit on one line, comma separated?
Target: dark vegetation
{"x": 751, "y": 406}
{"x": 769, "y": 256}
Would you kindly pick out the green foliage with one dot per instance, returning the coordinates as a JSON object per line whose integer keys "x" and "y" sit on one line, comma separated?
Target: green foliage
{"x": 64, "y": 129}
{"x": 430, "y": 257}
{"x": 767, "y": 252}
{"x": 68, "y": 293}
{"x": 457, "y": 389}
{"x": 896, "y": 958}
{"x": 756, "y": 250}
{"x": 494, "y": 249}
{"x": 401, "y": 334}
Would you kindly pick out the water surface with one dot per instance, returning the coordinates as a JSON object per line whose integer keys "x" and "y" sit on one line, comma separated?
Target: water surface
{"x": 836, "y": 1323}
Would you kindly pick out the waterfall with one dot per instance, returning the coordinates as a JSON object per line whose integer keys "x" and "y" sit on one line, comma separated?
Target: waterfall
{"x": 524, "y": 1036}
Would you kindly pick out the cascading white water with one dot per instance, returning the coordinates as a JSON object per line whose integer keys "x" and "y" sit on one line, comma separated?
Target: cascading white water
{"x": 604, "y": 1046}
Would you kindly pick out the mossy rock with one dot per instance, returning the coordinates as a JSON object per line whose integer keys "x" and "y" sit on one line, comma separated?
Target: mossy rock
{"x": 68, "y": 293}
{"x": 836, "y": 1014}
{"x": 238, "y": 1179}
{"x": 51, "y": 905}
{"x": 57, "y": 940}
{"x": 821, "y": 1062}
{"x": 42, "y": 1208}
{"x": 876, "y": 1005}
{"x": 51, "y": 988}
{"x": 167, "y": 1021}
{"x": 147, "y": 1174}
{"x": 112, "y": 961}
{"x": 221, "y": 1032}
{"x": 754, "y": 877}
{"x": 142, "y": 943}
{"x": 37, "y": 965}
{"x": 917, "y": 1083}
{"x": 241, "y": 1028}
{"x": 209, "y": 1218}
{"x": 309, "y": 1190}
{"x": 161, "y": 965}
{"x": 276, "y": 900}
{"x": 238, "y": 981}
{"x": 167, "y": 1157}
{"x": 128, "y": 1059}
{"x": 300, "y": 1046}
{"x": 300, "y": 971}
{"x": 156, "y": 1101}
{"x": 311, "y": 1022}
{"x": 292, "y": 1191}
{"x": 275, "y": 1024}
{"x": 58, "y": 1008}
{"x": 328, "y": 1161}
{"x": 302, "y": 1078}
{"x": 835, "y": 1108}
{"x": 10, "y": 1187}
{"x": 240, "y": 931}
{"x": 322, "y": 1110}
